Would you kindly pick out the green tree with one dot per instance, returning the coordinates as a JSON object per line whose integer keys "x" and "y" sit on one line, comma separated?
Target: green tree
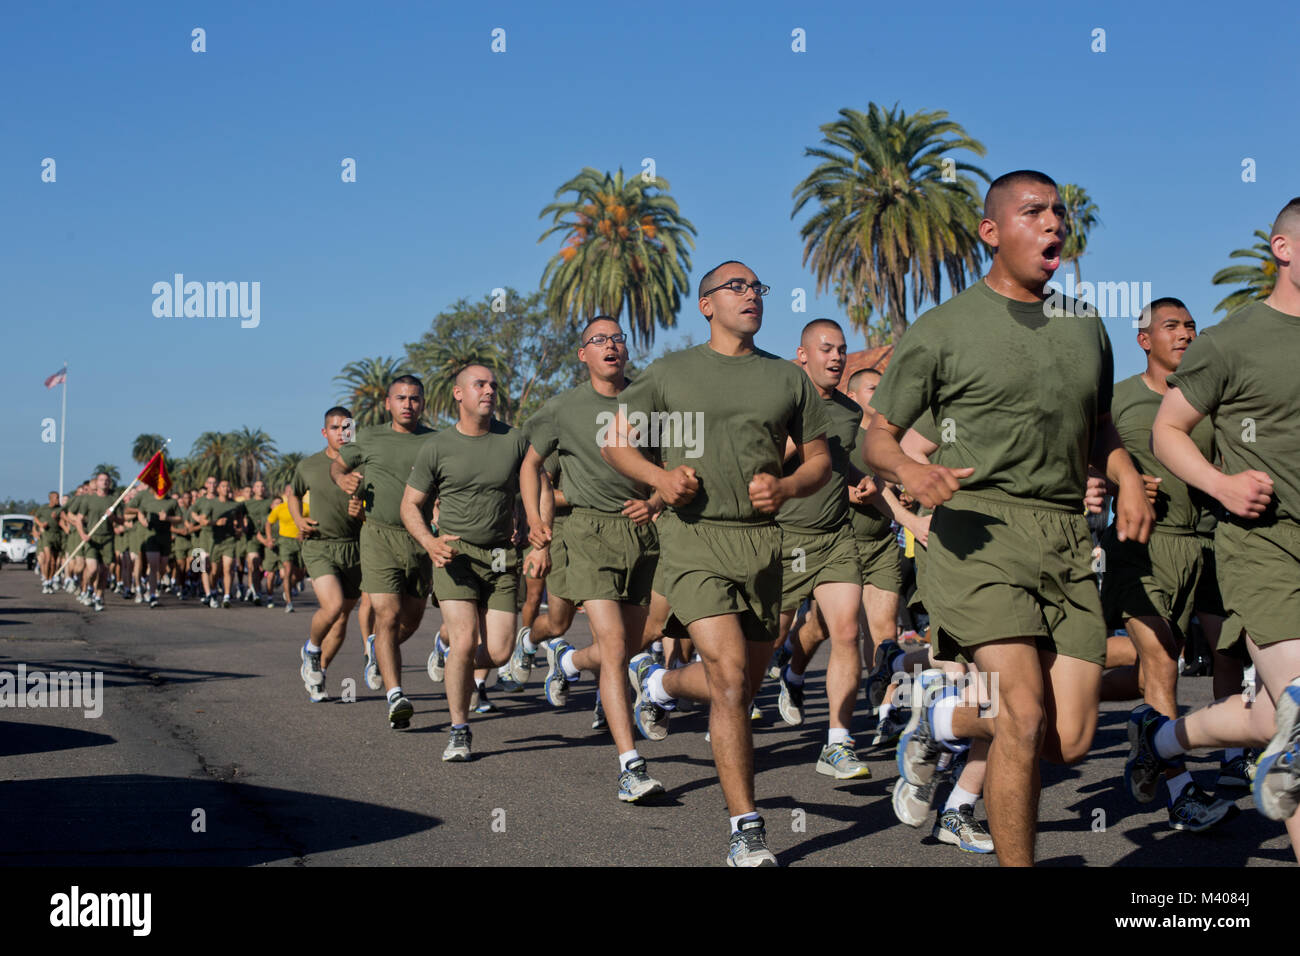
{"x": 145, "y": 446}
{"x": 253, "y": 451}
{"x": 365, "y": 387}
{"x": 1080, "y": 218}
{"x": 626, "y": 246}
{"x": 280, "y": 472}
{"x": 214, "y": 454}
{"x": 114, "y": 476}
{"x": 890, "y": 207}
{"x": 1256, "y": 279}
{"x": 533, "y": 353}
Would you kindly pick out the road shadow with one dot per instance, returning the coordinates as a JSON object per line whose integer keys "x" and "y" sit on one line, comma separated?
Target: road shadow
{"x": 17, "y": 737}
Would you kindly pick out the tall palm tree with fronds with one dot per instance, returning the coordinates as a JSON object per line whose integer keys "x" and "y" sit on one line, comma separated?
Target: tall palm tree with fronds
{"x": 114, "y": 476}
{"x": 253, "y": 451}
{"x": 439, "y": 364}
{"x": 280, "y": 471}
{"x": 145, "y": 446}
{"x": 1256, "y": 279}
{"x": 214, "y": 454}
{"x": 365, "y": 386}
{"x": 1080, "y": 218}
{"x": 891, "y": 207}
{"x": 626, "y": 246}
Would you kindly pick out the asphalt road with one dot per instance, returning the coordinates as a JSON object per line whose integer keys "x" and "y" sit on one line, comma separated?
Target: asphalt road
{"x": 208, "y": 752}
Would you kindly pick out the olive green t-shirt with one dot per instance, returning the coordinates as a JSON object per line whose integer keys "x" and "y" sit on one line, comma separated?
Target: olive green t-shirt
{"x": 728, "y": 418}
{"x": 827, "y": 508}
{"x": 257, "y": 509}
{"x": 1022, "y": 385}
{"x": 573, "y": 425}
{"x": 1134, "y": 410}
{"x": 185, "y": 520}
{"x": 384, "y": 457}
{"x": 475, "y": 478}
{"x": 867, "y": 522}
{"x": 92, "y": 508}
{"x": 155, "y": 512}
{"x": 329, "y": 503}
{"x": 1242, "y": 373}
{"x": 50, "y": 516}
{"x": 230, "y": 510}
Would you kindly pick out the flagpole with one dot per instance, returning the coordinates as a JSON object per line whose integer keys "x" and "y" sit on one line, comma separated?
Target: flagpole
{"x": 63, "y": 424}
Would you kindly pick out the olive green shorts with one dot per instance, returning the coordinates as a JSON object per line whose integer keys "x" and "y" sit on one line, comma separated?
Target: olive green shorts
{"x": 180, "y": 549}
{"x": 290, "y": 550}
{"x": 809, "y": 559}
{"x": 1259, "y": 576}
{"x": 338, "y": 558}
{"x": 241, "y": 549}
{"x": 204, "y": 541}
{"x": 1156, "y": 579}
{"x": 392, "y": 562}
{"x": 50, "y": 542}
{"x": 253, "y": 547}
{"x": 1007, "y": 569}
{"x": 607, "y": 558}
{"x": 487, "y": 576}
{"x": 101, "y": 551}
{"x": 1208, "y": 600}
{"x": 710, "y": 568}
{"x": 222, "y": 549}
{"x": 559, "y": 556}
{"x": 879, "y": 562}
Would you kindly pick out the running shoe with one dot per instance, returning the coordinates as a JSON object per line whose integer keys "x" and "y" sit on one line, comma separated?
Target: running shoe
{"x": 960, "y": 828}
{"x": 651, "y": 719}
{"x": 458, "y": 744}
{"x": 635, "y": 783}
{"x": 780, "y": 657}
{"x": 98, "y": 603}
{"x": 213, "y": 602}
{"x": 374, "y": 680}
{"x": 139, "y": 598}
{"x": 1196, "y": 811}
{"x": 881, "y": 675}
{"x": 400, "y": 712}
{"x": 657, "y": 652}
{"x": 790, "y": 701}
{"x": 557, "y": 685}
{"x": 749, "y": 845}
{"x": 891, "y": 726}
{"x": 313, "y": 675}
{"x": 912, "y": 803}
{"x": 598, "y": 721}
{"x": 505, "y": 684}
{"x": 288, "y": 607}
{"x": 520, "y": 666}
{"x": 437, "y": 660}
{"x": 480, "y": 703}
{"x": 755, "y": 712}
{"x": 225, "y": 600}
{"x": 153, "y": 600}
{"x": 1277, "y": 771}
{"x": 1234, "y": 774}
{"x": 841, "y": 762}
{"x": 1144, "y": 769}
{"x": 918, "y": 750}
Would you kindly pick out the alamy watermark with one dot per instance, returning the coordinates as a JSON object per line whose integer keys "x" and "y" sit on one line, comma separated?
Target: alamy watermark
{"x": 1107, "y": 300}
{"x": 653, "y": 430}
{"x": 75, "y": 689}
{"x": 212, "y": 300}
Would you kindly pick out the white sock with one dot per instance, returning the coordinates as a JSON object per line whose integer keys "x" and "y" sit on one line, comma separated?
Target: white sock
{"x": 566, "y": 665}
{"x": 529, "y": 646}
{"x": 479, "y": 683}
{"x": 657, "y": 647}
{"x": 1232, "y": 753}
{"x": 1177, "y": 785}
{"x": 1166, "y": 741}
{"x": 736, "y": 821}
{"x": 836, "y": 735}
{"x": 443, "y": 645}
{"x": 312, "y": 648}
{"x": 960, "y": 798}
{"x": 655, "y": 685}
{"x": 395, "y": 693}
{"x": 886, "y": 706}
{"x": 626, "y": 758}
{"x": 793, "y": 679}
{"x": 941, "y": 719}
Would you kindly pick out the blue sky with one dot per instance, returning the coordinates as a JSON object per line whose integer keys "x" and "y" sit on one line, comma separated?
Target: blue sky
{"x": 225, "y": 166}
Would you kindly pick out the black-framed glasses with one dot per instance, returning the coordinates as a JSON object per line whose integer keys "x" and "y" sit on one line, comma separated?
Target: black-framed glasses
{"x": 618, "y": 338}
{"x": 739, "y": 286}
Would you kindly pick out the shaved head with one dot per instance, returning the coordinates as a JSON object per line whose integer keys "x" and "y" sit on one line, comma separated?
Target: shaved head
{"x": 711, "y": 278}
{"x": 1287, "y": 222}
{"x": 465, "y": 377}
{"x": 809, "y": 335}
{"x": 1004, "y": 187}
{"x": 855, "y": 380}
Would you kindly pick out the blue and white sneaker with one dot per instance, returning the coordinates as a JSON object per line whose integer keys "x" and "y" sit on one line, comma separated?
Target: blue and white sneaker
{"x": 520, "y": 666}
{"x": 480, "y": 702}
{"x": 1144, "y": 769}
{"x": 400, "y": 712}
{"x": 1276, "y": 787}
{"x": 780, "y": 657}
{"x": 789, "y": 702}
{"x": 651, "y": 719}
{"x": 557, "y": 685}
{"x": 437, "y": 660}
{"x": 635, "y": 783}
{"x": 313, "y": 675}
{"x": 960, "y": 828}
{"x": 373, "y": 678}
{"x": 841, "y": 762}
{"x": 918, "y": 750}
{"x": 749, "y": 845}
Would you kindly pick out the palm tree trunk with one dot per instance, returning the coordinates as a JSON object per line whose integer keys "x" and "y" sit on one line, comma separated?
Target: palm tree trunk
{"x": 1078, "y": 275}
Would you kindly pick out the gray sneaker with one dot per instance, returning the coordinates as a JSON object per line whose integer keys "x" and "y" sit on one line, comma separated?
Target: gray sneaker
{"x": 1144, "y": 769}
{"x": 400, "y": 712}
{"x": 437, "y": 666}
{"x": 557, "y": 685}
{"x": 912, "y": 803}
{"x": 1196, "y": 811}
{"x": 636, "y": 784}
{"x": 790, "y": 702}
{"x": 749, "y": 845}
{"x": 520, "y": 666}
{"x": 960, "y": 828}
{"x": 1276, "y": 786}
{"x": 841, "y": 762}
{"x": 458, "y": 745}
{"x": 918, "y": 751}
{"x": 651, "y": 719}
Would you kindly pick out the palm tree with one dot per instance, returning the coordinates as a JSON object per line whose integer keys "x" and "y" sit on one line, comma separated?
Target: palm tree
{"x": 625, "y": 246}
{"x": 440, "y": 364}
{"x": 892, "y": 207}
{"x": 253, "y": 450}
{"x": 114, "y": 476}
{"x": 181, "y": 471}
{"x": 145, "y": 447}
{"x": 1257, "y": 279}
{"x": 214, "y": 454}
{"x": 1080, "y": 217}
{"x": 281, "y": 470}
{"x": 365, "y": 386}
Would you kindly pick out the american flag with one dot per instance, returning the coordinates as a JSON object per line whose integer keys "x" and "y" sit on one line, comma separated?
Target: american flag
{"x": 58, "y": 378}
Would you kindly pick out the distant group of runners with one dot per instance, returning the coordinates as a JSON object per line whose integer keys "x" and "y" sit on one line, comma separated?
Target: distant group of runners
{"x": 727, "y": 512}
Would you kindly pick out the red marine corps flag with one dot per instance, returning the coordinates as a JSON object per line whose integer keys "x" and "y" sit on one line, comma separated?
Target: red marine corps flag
{"x": 155, "y": 475}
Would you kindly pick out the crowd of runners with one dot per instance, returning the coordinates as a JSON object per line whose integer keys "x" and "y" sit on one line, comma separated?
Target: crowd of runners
{"x": 940, "y": 526}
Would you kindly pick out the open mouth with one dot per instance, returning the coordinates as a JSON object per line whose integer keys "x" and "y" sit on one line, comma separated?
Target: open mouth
{"x": 1052, "y": 256}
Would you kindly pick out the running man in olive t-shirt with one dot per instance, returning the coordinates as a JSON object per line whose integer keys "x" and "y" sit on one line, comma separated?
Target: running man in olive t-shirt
{"x": 472, "y": 471}
{"x": 1241, "y": 374}
{"x": 1022, "y": 381}
{"x": 719, "y": 415}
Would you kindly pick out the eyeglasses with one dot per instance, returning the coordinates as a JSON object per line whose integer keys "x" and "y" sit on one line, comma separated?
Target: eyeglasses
{"x": 618, "y": 339}
{"x": 739, "y": 286}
